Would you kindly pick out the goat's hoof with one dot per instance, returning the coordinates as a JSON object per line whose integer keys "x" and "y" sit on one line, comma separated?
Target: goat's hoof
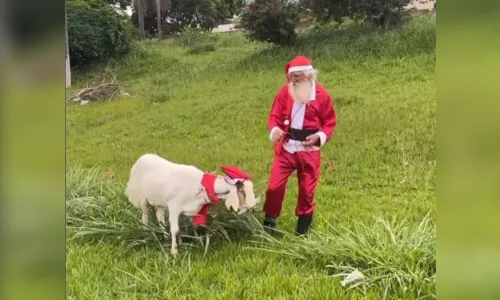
{"x": 175, "y": 253}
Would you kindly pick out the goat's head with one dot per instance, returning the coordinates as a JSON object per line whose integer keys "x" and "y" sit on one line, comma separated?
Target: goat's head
{"x": 241, "y": 196}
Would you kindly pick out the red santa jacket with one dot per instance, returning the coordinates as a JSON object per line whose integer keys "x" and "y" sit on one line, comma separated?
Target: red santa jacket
{"x": 318, "y": 114}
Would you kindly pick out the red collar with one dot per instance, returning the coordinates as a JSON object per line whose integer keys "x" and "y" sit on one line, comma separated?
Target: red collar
{"x": 208, "y": 183}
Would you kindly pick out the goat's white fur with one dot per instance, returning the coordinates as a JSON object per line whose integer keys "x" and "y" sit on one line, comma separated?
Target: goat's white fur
{"x": 176, "y": 187}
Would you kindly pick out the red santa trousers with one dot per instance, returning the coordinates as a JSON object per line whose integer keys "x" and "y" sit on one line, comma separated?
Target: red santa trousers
{"x": 308, "y": 166}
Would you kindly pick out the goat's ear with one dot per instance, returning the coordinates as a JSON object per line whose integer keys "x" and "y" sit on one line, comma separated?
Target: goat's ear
{"x": 250, "y": 196}
{"x": 232, "y": 199}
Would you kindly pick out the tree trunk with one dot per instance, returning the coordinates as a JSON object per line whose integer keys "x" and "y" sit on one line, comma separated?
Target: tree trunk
{"x": 140, "y": 15}
{"x": 387, "y": 21}
{"x": 158, "y": 18}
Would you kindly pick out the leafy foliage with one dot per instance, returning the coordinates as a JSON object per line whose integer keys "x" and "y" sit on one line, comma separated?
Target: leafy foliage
{"x": 194, "y": 13}
{"x": 181, "y": 14}
{"x": 96, "y": 32}
{"x": 122, "y": 3}
{"x": 271, "y": 21}
{"x": 384, "y": 13}
{"x": 226, "y": 9}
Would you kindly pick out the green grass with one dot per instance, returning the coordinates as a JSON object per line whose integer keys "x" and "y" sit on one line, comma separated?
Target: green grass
{"x": 376, "y": 198}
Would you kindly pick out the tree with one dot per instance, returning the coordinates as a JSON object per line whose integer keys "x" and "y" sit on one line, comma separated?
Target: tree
{"x": 226, "y": 9}
{"x": 140, "y": 11}
{"x": 271, "y": 21}
{"x": 383, "y": 13}
{"x": 178, "y": 15}
{"x": 161, "y": 6}
{"x": 157, "y": 7}
{"x": 158, "y": 17}
{"x": 326, "y": 10}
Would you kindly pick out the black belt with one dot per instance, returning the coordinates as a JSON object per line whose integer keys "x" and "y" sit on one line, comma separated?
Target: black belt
{"x": 300, "y": 134}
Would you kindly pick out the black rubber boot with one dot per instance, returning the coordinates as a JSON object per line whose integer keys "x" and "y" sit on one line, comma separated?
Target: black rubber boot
{"x": 303, "y": 224}
{"x": 269, "y": 222}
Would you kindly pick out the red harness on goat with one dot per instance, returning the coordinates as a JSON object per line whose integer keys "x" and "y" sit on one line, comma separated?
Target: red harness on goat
{"x": 208, "y": 183}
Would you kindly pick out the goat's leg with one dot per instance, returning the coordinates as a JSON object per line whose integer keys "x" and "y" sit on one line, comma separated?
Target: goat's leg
{"x": 173, "y": 219}
{"x": 145, "y": 212}
{"x": 160, "y": 215}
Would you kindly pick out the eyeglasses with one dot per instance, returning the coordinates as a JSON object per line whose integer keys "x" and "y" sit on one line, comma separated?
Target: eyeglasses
{"x": 296, "y": 76}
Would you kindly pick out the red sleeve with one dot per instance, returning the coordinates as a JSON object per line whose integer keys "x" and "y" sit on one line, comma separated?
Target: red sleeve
{"x": 328, "y": 117}
{"x": 276, "y": 114}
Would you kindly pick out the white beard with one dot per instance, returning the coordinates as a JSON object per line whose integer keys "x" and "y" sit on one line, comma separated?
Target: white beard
{"x": 300, "y": 92}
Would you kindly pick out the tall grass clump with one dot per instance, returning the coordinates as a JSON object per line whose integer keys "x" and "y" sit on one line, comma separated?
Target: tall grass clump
{"x": 98, "y": 210}
{"x": 398, "y": 257}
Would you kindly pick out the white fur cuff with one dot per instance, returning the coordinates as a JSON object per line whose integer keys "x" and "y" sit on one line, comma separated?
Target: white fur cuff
{"x": 322, "y": 137}
{"x": 272, "y": 132}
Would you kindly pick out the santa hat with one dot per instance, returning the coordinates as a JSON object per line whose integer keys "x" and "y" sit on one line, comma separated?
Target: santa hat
{"x": 235, "y": 174}
{"x": 298, "y": 63}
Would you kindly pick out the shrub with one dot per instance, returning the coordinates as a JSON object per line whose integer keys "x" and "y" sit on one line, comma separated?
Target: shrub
{"x": 271, "y": 21}
{"x": 197, "y": 41}
{"x": 96, "y": 32}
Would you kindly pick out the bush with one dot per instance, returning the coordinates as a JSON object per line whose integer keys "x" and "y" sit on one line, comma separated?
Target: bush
{"x": 96, "y": 32}
{"x": 197, "y": 41}
{"x": 271, "y": 21}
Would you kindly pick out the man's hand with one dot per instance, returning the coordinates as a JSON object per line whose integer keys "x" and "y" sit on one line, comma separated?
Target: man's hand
{"x": 277, "y": 135}
{"x": 311, "y": 140}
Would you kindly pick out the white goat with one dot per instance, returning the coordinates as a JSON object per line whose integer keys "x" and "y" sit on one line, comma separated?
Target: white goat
{"x": 177, "y": 187}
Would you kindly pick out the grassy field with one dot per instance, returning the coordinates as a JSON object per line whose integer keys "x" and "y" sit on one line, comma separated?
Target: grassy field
{"x": 376, "y": 198}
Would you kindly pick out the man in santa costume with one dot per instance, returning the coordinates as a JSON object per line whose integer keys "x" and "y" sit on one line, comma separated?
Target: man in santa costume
{"x": 301, "y": 121}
